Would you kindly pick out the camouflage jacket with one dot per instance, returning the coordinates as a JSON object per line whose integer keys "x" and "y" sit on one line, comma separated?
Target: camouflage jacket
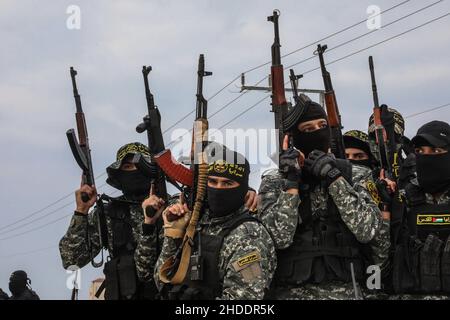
{"x": 82, "y": 241}
{"x": 355, "y": 203}
{"x": 247, "y": 238}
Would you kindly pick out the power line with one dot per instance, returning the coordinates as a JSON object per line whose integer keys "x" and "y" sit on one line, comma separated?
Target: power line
{"x": 327, "y": 37}
{"x": 38, "y": 218}
{"x": 427, "y": 110}
{"x": 230, "y": 102}
{"x": 41, "y": 217}
{"x": 37, "y": 211}
{"x": 367, "y": 33}
{"x": 218, "y": 111}
{"x": 349, "y": 55}
{"x": 381, "y": 42}
{"x": 42, "y": 226}
{"x": 28, "y": 252}
{"x": 285, "y": 55}
{"x": 209, "y": 99}
{"x": 342, "y": 58}
{"x": 36, "y": 228}
{"x": 420, "y": 113}
{"x": 43, "y": 209}
{"x": 245, "y": 111}
{"x": 339, "y": 45}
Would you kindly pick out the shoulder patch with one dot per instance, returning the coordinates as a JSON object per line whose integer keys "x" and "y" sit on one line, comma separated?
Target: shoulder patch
{"x": 248, "y": 266}
{"x": 372, "y": 188}
{"x": 246, "y": 260}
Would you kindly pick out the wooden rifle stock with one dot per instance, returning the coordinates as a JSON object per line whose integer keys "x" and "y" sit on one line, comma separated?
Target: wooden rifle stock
{"x": 279, "y": 102}
{"x": 174, "y": 269}
{"x": 334, "y": 117}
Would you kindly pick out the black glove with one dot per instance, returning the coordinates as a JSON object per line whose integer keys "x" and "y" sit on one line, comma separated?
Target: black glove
{"x": 385, "y": 195}
{"x": 322, "y": 166}
{"x": 290, "y": 168}
{"x": 388, "y": 121}
{"x": 387, "y": 117}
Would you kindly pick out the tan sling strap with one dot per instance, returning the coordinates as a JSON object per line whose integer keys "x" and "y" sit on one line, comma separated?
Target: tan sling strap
{"x": 200, "y": 128}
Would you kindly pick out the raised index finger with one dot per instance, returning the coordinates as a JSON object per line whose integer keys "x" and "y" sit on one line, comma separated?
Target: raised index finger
{"x": 285, "y": 142}
{"x": 382, "y": 175}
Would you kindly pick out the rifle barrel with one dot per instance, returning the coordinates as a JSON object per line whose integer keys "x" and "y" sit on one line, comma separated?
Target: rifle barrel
{"x": 276, "y": 57}
{"x": 374, "y": 84}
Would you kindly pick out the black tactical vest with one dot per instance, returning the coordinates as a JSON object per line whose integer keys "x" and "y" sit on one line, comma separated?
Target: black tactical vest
{"x": 323, "y": 247}
{"x": 203, "y": 281}
{"x": 422, "y": 259}
{"x": 121, "y": 281}
{"x": 424, "y": 218}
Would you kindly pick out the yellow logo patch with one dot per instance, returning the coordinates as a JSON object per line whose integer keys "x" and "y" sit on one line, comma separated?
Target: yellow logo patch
{"x": 132, "y": 148}
{"x": 248, "y": 259}
{"x": 372, "y": 188}
{"x": 357, "y": 134}
{"x": 220, "y": 166}
{"x": 433, "y": 219}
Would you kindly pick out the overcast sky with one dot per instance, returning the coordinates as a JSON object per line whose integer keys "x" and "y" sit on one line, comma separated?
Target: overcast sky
{"x": 117, "y": 37}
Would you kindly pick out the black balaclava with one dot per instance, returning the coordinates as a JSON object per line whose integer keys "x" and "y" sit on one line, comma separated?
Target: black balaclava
{"x": 134, "y": 184}
{"x": 316, "y": 140}
{"x": 365, "y": 163}
{"x": 231, "y": 165}
{"x": 18, "y": 282}
{"x": 433, "y": 171}
{"x": 359, "y": 140}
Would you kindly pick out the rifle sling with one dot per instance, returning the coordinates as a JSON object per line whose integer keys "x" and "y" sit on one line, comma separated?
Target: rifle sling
{"x": 188, "y": 240}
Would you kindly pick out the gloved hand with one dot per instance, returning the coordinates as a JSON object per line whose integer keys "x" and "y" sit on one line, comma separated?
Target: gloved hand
{"x": 152, "y": 207}
{"x": 386, "y": 190}
{"x": 322, "y": 166}
{"x": 385, "y": 195}
{"x": 387, "y": 117}
{"x": 176, "y": 219}
{"x": 289, "y": 166}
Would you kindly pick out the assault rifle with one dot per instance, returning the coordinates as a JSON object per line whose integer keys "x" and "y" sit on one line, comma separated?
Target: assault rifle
{"x": 380, "y": 132}
{"x": 82, "y": 154}
{"x": 174, "y": 269}
{"x": 279, "y": 103}
{"x": 334, "y": 117}
{"x": 152, "y": 125}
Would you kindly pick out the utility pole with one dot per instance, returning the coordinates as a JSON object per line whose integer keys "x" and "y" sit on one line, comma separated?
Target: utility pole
{"x": 245, "y": 87}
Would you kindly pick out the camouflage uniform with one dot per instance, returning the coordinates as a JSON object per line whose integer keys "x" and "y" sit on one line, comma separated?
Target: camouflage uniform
{"x": 357, "y": 209}
{"x": 82, "y": 241}
{"x": 249, "y": 281}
